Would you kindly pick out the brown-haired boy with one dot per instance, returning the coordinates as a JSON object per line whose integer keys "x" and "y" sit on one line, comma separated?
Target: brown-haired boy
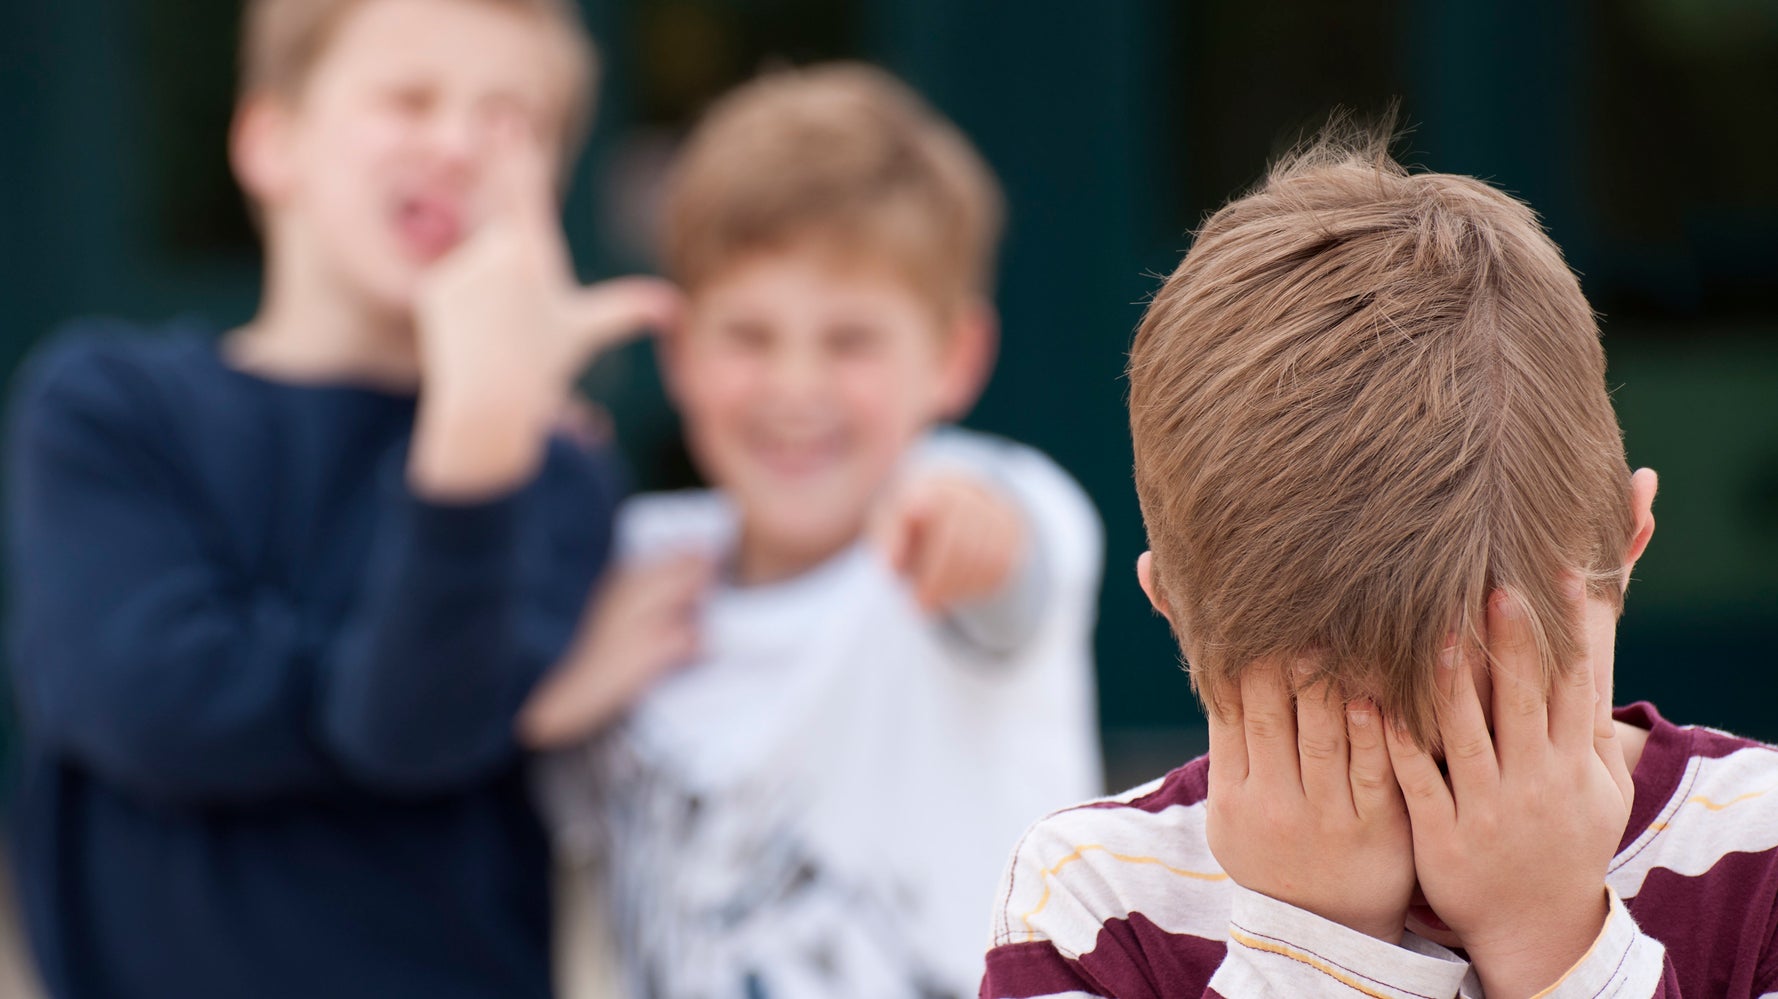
{"x": 1392, "y": 527}
{"x": 278, "y": 598}
{"x": 895, "y": 663}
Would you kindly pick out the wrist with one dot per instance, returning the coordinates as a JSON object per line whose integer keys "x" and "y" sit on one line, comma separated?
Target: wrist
{"x": 1537, "y": 953}
{"x": 475, "y": 447}
{"x": 1387, "y": 928}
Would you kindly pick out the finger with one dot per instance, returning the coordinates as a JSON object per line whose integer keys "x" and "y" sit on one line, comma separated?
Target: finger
{"x": 1423, "y": 788}
{"x": 950, "y": 557}
{"x": 1574, "y": 701}
{"x": 1228, "y": 737}
{"x": 1463, "y": 727}
{"x": 1270, "y": 723}
{"x": 1521, "y": 707}
{"x": 1372, "y": 779}
{"x": 521, "y": 176}
{"x": 902, "y": 515}
{"x": 1002, "y": 542}
{"x": 609, "y": 312}
{"x": 1321, "y": 745}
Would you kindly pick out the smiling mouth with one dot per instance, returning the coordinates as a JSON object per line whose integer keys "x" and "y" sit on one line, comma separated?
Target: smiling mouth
{"x": 801, "y": 458}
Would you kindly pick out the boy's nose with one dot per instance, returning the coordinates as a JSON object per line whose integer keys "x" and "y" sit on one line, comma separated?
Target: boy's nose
{"x": 797, "y": 374}
{"x": 460, "y": 138}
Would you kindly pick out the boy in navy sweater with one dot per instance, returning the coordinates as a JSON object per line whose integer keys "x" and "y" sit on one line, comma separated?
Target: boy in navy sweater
{"x": 278, "y": 599}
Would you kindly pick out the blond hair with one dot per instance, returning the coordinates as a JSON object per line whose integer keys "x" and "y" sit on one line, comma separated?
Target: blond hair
{"x": 842, "y": 153}
{"x": 1366, "y": 399}
{"x": 283, "y": 40}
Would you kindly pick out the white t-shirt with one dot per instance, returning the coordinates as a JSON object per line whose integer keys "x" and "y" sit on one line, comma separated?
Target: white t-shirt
{"x": 822, "y": 804}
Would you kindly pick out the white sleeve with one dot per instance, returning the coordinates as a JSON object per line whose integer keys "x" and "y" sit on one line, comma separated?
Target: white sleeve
{"x": 1278, "y": 950}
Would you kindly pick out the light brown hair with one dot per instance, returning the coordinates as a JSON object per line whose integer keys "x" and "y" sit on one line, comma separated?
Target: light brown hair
{"x": 1366, "y": 399}
{"x": 283, "y": 40}
{"x": 843, "y": 153}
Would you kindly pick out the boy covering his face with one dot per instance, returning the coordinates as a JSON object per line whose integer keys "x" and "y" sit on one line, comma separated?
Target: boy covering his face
{"x": 1392, "y": 526}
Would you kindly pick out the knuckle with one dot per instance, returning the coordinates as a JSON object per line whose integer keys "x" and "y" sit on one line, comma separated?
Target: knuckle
{"x": 1371, "y": 781}
{"x": 1467, "y": 748}
{"x": 1419, "y": 788}
{"x": 1319, "y": 748}
{"x": 1265, "y": 725}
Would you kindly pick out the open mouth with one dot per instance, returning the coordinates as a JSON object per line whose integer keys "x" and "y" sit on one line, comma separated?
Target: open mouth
{"x": 428, "y": 227}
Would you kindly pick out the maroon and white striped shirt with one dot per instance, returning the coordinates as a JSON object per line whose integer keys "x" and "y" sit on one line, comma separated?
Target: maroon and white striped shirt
{"x": 1121, "y": 898}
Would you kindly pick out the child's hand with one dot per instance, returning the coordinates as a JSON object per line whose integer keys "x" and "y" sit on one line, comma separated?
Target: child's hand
{"x": 953, "y": 539}
{"x": 1512, "y": 852}
{"x": 504, "y": 328}
{"x": 1304, "y": 807}
{"x": 642, "y": 623}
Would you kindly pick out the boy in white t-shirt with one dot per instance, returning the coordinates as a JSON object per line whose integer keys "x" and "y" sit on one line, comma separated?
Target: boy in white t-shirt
{"x": 889, "y": 627}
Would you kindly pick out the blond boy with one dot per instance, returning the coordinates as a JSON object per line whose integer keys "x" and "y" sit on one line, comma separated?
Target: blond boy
{"x": 894, "y": 659}
{"x": 1392, "y": 527}
{"x": 279, "y": 596}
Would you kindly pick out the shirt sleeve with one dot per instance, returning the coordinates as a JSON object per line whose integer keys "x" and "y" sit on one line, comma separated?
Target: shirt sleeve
{"x": 1035, "y": 969}
{"x": 141, "y": 655}
{"x": 1623, "y": 961}
{"x": 1278, "y": 950}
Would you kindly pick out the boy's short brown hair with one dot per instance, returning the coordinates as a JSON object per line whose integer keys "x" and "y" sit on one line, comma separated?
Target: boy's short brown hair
{"x": 1366, "y": 399}
{"x": 282, "y": 40}
{"x": 842, "y": 153}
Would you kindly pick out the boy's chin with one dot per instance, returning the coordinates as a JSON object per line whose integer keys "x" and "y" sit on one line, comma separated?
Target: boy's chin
{"x": 393, "y": 294}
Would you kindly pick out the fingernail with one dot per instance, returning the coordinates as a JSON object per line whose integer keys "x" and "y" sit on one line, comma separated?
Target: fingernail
{"x": 1447, "y": 657}
{"x": 1358, "y": 715}
{"x": 1574, "y": 586}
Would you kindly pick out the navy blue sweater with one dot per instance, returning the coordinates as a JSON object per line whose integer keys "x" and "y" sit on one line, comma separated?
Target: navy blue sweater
{"x": 268, "y": 693}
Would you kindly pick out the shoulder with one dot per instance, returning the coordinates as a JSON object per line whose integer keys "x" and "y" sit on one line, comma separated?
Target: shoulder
{"x": 651, "y": 524}
{"x": 1708, "y": 817}
{"x": 101, "y": 375}
{"x": 101, "y": 354}
{"x": 1135, "y": 863}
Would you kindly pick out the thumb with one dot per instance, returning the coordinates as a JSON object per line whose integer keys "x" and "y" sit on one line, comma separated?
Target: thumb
{"x": 521, "y": 179}
{"x": 609, "y": 312}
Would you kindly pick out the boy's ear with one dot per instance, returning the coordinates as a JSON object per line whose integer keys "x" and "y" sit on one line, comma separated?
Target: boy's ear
{"x": 971, "y": 346}
{"x": 259, "y": 147}
{"x": 1643, "y": 485}
{"x": 1145, "y": 576}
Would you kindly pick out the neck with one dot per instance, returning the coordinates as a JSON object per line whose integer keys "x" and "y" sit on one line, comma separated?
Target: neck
{"x": 311, "y": 329}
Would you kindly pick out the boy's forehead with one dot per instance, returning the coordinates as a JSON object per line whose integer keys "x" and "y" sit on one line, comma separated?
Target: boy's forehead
{"x": 473, "y": 43}
{"x": 819, "y": 270}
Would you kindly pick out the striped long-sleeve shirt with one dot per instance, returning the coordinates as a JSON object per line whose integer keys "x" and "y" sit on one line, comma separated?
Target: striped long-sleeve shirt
{"x": 1122, "y": 898}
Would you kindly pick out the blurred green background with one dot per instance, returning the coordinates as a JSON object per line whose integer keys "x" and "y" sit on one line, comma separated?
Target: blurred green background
{"x": 1641, "y": 129}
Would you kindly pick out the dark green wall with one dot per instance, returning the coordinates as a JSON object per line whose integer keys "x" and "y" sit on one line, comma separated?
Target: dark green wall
{"x": 1114, "y": 127}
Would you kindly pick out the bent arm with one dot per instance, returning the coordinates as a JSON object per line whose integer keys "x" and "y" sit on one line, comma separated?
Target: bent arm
{"x": 142, "y": 654}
